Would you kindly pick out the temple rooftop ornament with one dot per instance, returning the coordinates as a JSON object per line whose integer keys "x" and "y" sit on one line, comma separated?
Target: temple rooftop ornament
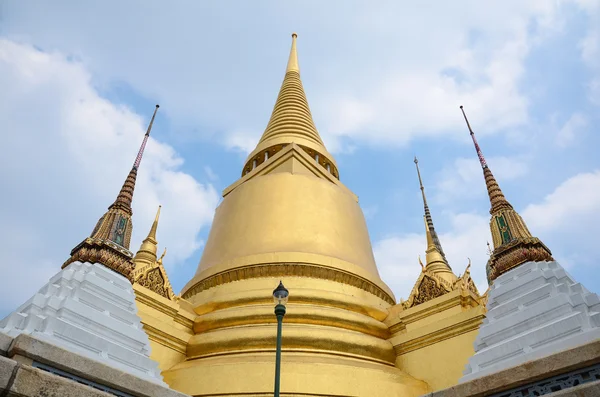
{"x": 291, "y": 121}
{"x": 513, "y": 243}
{"x": 109, "y": 242}
{"x": 436, "y": 278}
{"x": 149, "y": 271}
{"x": 428, "y": 218}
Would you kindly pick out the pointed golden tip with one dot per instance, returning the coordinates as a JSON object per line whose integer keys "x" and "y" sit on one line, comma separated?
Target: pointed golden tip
{"x": 292, "y": 65}
{"x": 152, "y": 233}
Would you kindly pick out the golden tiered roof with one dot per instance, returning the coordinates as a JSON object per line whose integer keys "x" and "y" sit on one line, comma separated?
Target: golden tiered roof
{"x": 109, "y": 242}
{"x": 291, "y": 121}
{"x": 513, "y": 243}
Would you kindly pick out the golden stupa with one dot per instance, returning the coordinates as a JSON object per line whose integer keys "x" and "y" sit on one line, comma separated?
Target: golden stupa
{"x": 290, "y": 218}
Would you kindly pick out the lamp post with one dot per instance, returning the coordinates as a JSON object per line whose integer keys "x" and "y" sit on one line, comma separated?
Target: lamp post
{"x": 280, "y": 296}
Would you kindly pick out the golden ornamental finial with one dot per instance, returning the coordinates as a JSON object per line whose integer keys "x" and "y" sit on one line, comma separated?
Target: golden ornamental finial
{"x": 292, "y": 65}
{"x": 160, "y": 260}
{"x": 152, "y": 233}
{"x": 428, "y": 219}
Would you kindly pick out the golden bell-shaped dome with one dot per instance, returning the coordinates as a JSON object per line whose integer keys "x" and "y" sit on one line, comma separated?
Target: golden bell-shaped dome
{"x": 289, "y": 218}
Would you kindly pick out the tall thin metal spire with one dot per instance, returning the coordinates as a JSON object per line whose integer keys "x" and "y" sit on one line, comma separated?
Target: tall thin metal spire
{"x": 477, "y": 148}
{"x": 138, "y": 158}
{"x": 513, "y": 243}
{"x": 125, "y": 195}
{"x": 428, "y": 218}
{"x": 109, "y": 242}
{"x": 497, "y": 199}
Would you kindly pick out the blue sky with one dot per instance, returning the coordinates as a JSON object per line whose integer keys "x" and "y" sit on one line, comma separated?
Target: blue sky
{"x": 384, "y": 84}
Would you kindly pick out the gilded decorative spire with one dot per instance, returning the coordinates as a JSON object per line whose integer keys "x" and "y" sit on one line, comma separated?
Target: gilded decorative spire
{"x": 497, "y": 198}
{"x": 149, "y": 246}
{"x": 434, "y": 260}
{"x": 513, "y": 243}
{"x": 152, "y": 234}
{"x": 150, "y": 272}
{"x": 292, "y": 65}
{"x": 428, "y": 218}
{"x": 109, "y": 242}
{"x": 125, "y": 196}
{"x": 291, "y": 121}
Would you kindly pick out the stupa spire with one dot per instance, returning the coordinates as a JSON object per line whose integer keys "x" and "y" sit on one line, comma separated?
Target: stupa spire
{"x": 513, "y": 243}
{"x": 497, "y": 199}
{"x": 125, "y": 195}
{"x": 149, "y": 271}
{"x": 109, "y": 242}
{"x": 149, "y": 247}
{"x": 291, "y": 121}
{"x": 429, "y": 221}
{"x": 292, "y": 65}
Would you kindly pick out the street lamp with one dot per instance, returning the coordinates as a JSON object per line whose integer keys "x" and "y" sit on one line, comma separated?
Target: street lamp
{"x": 280, "y": 296}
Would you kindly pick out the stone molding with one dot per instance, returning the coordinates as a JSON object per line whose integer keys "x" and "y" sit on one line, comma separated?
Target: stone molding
{"x": 471, "y": 323}
{"x": 54, "y": 356}
{"x": 531, "y": 371}
{"x": 289, "y": 270}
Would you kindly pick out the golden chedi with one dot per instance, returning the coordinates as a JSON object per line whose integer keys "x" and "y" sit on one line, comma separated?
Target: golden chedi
{"x": 289, "y": 217}
{"x": 434, "y": 329}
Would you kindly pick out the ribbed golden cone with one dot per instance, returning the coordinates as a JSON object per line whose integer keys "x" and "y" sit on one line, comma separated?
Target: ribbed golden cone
{"x": 291, "y": 120}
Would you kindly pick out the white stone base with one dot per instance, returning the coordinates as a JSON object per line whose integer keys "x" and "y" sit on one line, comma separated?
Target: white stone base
{"x": 534, "y": 310}
{"x": 90, "y": 310}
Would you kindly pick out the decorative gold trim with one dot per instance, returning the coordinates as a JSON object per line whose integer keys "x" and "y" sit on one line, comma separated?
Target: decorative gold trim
{"x": 104, "y": 252}
{"x": 521, "y": 250}
{"x": 165, "y": 339}
{"x": 451, "y": 331}
{"x": 290, "y": 270}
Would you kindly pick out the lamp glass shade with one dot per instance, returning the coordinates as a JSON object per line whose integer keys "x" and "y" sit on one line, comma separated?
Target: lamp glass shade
{"x": 280, "y": 294}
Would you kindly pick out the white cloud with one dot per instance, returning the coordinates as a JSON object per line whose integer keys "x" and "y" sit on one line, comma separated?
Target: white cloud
{"x": 590, "y": 47}
{"x": 397, "y": 256}
{"x": 464, "y": 178}
{"x": 67, "y": 152}
{"x": 241, "y": 141}
{"x": 210, "y": 173}
{"x": 573, "y": 205}
{"x": 571, "y": 129}
{"x": 478, "y": 61}
{"x": 379, "y": 74}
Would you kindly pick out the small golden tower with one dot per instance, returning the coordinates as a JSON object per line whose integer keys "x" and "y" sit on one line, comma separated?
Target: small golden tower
{"x": 513, "y": 243}
{"x": 150, "y": 272}
{"x": 109, "y": 242}
{"x": 437, "y": 277}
